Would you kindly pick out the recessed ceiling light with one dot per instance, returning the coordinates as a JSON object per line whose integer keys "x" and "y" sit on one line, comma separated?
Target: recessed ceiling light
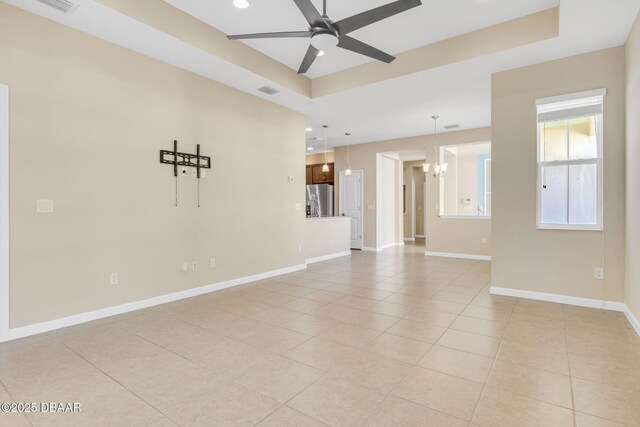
{"x": 309, "y": 148}
{"x": 321, "y": 53}
{"x": 241, "y": 4}
{"x": 308, "y": 130}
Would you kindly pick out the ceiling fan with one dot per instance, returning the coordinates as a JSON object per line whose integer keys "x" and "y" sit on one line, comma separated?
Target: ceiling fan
{"x": 326, "y": 34}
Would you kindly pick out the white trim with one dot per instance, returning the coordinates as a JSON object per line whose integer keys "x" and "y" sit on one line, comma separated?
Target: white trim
{"x": 459, "y": 256}
{"x": 50, "y": 325}
{"x": 569, "y": 300}
{"x": 409, "y": 239}
{"x": 572, "y": 96}
{"x": 328, "y": 257}
{"x": 341, "y": 177}
{"x": 420, "y": 236}
{"x": 598, "y": 161}
{"x": 326, "y": 218}
{"x": 383, "y": 247}
{"x": 465, "y": 217}
{"x": 632, "y": 319}
{"x": 560, "y": 299}
{"x": 391, "y": 245}
{"x": 4, "y": 213}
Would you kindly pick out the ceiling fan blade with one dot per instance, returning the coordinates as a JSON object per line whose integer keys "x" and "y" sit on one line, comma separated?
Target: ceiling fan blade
{"x": 281, "y": 35}
{"x": 312, "y": 54}
{"x": 355, "y": 22}
{"x": 310, "y": 13}
{"x": 357, "y": 46}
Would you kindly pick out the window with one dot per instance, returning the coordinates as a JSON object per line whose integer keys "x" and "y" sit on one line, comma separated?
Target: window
{"x": 569, "y": 194}
{"x": 465, "y": 189}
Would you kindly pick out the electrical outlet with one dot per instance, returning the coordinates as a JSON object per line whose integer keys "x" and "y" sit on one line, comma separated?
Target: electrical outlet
{"x": 212, "y": 263}
{"x": 289, "y": 179}
{"x": 113, "y": 279}
{"x": 194, "y": 265}
{"x": 44, "y": 206}
{"x": 184, "y": 267}
{"x": 598, "y": 273}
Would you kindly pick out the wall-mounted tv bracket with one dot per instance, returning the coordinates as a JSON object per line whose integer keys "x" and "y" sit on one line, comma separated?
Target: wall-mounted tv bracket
{"x": 176, "y": 159}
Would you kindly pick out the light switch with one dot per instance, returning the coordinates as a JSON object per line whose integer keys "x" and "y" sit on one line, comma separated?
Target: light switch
{"x": 371, "y": 207}
{"x": 44, "y": 206}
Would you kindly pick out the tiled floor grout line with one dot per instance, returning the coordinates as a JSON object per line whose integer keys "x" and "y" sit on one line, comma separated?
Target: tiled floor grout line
{"x": 414, "y": 366}
{"x": 493, "y": 364}
{"x": 566, "y": 338}
{"x": 118, "y": 382}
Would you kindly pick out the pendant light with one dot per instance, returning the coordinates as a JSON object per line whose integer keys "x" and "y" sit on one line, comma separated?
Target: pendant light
{"x": 438, "y": 169}
{"x": 348, "y": 171}
{"x": 325, "y": 167}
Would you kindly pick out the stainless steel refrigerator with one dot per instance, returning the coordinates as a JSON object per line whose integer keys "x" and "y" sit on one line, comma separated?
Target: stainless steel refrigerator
{"x": 320, "y": 200}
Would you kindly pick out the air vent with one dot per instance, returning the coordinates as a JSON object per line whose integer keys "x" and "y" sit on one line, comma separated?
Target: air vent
{"x": 268, "y": 90}
{"x": 61, "y": 5}
{"x": 452, "y": 127}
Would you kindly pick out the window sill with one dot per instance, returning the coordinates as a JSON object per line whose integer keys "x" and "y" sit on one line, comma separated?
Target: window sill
{"x": 465, "y": 217}
{"x": 570, "y": 227}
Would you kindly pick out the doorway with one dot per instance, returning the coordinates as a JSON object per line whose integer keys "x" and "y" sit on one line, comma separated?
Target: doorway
{"x": 4, "y": 213}
{"x": 351, "y": 201}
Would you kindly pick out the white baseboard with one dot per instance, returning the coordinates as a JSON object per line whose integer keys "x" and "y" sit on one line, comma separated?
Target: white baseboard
{"x": 459, "y": 256}
{"x": 383, "y": 247}
{"x": 569, "y": 300}
{"x": 328, "y": 257}
{"x": 632, "y": 319}
{"x": 561, "y": 299}
{"x": 420, "y": 236}
{"x": 391, "y": 245}
{"x": 409, "y": 239}
{"x": 38, "y": 328}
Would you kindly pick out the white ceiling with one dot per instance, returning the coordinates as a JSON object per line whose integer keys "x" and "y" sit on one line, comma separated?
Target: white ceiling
{"x": 460, "y": 93}
{"x": 433, "y": 21}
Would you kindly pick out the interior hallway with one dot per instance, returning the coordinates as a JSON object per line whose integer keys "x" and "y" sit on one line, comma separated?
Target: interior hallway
{"x": 387, "y": 339}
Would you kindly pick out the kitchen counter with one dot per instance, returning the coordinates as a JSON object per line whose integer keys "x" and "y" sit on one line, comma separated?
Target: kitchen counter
{"x": 326, "y": 218}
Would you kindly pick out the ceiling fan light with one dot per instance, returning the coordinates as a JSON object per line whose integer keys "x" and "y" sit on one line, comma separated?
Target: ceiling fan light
{"x": 324, "y": 41}
{"x": 347, "y": 172}
{"x": 444, "y": 167}
{"x": 436, "y": 169}
{"x": 241, "y": 4}
{"x": 425, "y": 167}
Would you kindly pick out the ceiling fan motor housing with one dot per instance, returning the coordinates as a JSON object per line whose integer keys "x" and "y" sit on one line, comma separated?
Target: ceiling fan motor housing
{"x": 324, "y": 40}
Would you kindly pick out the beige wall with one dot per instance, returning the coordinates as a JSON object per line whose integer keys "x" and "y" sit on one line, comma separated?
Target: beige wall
{"x": 317, "y": 158}
{"x": 443, "y": 235}
{"x": 389, "y": 201}
{"x": 87, "y": 121}
{"x": 326, "y": 237}
{"x": 632, "y": 289}
{"x": 419, "y": 179}
{"x": 413, "y": 178}
{"x": 554, "y": 261}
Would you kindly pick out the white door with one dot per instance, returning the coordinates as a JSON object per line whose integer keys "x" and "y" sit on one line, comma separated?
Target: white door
{"x": 351, "y": 204}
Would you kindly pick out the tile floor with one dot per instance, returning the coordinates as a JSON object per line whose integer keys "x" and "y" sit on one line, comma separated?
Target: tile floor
{"x": 388, "y": 339}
